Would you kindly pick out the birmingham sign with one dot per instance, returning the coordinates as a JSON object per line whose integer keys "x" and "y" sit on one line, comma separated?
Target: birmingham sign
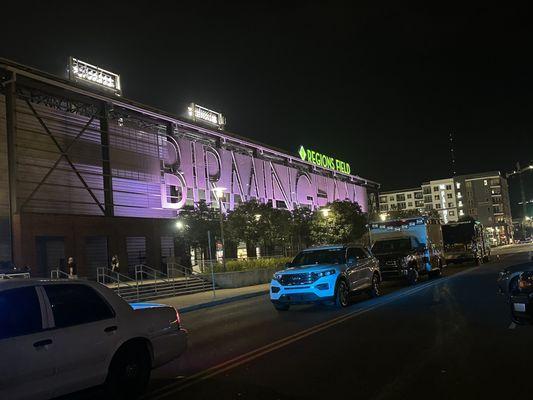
{"x": 191, "y": 170}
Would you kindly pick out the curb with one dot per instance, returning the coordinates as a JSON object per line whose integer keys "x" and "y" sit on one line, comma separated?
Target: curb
{"x": 221, "y": 301}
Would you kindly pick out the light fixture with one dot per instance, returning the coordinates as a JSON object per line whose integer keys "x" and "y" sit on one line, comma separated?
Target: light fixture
{"x": 257, "y": 217}
{"x": 325, "y": 211}
{"x": 180, "y": 225}
{"x": 383, "y": 216}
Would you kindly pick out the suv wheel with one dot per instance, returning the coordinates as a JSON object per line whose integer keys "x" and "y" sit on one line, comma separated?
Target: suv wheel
{"x": 342, "y": 294}
{"x": 129, "y": 372}
{"x": 374, "y": 288}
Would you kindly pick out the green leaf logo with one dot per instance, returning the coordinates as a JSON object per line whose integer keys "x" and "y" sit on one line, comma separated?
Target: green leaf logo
{"x": 302, "y": 153}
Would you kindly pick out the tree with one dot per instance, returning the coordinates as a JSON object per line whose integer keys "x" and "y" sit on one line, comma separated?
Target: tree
{"x": 343, "y": 222}
{"x": 260, "y": 225}
{"x": 300, "y": 226}
{"x": 196, "y": 221}
{"x": 401, "y": 214}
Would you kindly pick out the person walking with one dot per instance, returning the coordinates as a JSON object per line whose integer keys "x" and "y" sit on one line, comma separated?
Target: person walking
{"x": 115, "y": 265}
{"x": 71, "y": 268}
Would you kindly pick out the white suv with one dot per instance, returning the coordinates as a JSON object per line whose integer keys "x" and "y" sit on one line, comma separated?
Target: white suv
{"x": 325, "y": 274}
{"x": 57, "y": 337}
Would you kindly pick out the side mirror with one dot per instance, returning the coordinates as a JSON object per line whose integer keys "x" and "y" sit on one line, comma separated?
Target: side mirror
{"x": 352, "y": 262}
{"x": 288, "y": 265}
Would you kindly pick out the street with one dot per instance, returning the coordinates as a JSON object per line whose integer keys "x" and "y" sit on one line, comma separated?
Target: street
{"x": 450, "y": 337}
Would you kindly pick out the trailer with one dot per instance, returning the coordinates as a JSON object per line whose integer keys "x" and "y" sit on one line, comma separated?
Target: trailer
{"x": 465, "y": 242}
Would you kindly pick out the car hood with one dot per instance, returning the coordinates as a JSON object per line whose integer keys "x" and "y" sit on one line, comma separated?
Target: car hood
{"x": 311, "y": 268}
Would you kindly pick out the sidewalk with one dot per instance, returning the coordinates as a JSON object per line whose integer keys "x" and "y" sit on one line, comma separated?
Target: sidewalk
{"x": 196, "y": 301}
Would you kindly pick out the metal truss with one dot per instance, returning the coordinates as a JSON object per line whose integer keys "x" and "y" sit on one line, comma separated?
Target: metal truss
{"x": 64, "y": 154}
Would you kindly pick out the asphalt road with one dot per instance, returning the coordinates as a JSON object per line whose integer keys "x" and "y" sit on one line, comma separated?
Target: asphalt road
{"x": 449, "y": 338}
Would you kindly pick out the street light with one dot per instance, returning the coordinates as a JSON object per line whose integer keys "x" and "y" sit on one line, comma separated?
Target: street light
{"x": 180, "y": 225}
{"x": 383, "y": 216}
{"x": 219, "y": 192}
{"x": 325, "y": 212}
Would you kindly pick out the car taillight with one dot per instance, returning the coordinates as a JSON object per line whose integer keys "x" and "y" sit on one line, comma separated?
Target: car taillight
{"x": 525, "y": 282}
{"x": 177, "y": 321}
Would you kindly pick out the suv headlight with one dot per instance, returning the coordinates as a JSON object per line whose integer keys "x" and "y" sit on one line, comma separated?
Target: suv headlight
{"x": 277, "y": 277}
{"x": 321, "y": 274}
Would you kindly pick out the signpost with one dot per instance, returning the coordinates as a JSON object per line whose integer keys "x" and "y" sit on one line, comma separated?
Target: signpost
{"x": 321, "y": 160}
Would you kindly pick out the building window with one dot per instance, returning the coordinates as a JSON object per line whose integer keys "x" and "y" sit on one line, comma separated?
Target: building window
{"x": 409, "y": 196}
{"x": 410, "y": 204}
{"x": 435, "y": 188}
{"x": 382, "y": 199}
{"x": 450, "y": 205}
{"x": 469, "y": 185}
{"x": 400, "y": 197}
{"x": 451, "y": 213}
{"x": 437, "y": 197}
{"x": 427, "y": 190}
{"x": 384, "y": 207}
{"x": 437, "y": 205}
{"x": 458, "y": 185}
{"x": 494, "y": 182}
{"x": 459, "y": 195}
{"x": 485, "y": 182}
{"x": 402, "y": 206}
{"x": 418, "y": 195}
{"x": 391, "y": 198}
{"x": 419, "y": 203}
{"x": 461, "y": 213}
{"x": 449, "y": 195}
{"x": 448, "y": 187}
{"x": 429, "y": 207}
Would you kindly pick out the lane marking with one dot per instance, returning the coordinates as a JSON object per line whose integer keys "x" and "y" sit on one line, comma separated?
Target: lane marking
{"x": 220, "y": 368}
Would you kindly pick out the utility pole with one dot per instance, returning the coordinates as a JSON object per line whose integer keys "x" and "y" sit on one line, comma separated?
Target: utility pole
{"x": 452, "y": 154}
{"x": 523, "y": 196}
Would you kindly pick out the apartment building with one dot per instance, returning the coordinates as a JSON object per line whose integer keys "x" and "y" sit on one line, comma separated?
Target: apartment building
{"x": 408, "y": 199}
{"x": 483, "y": 196}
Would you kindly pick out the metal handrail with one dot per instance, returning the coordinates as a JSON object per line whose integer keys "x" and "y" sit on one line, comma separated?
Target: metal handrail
{"x": 24, "y": 275}
{"x": 143, "y": 269}
{"x": 57, "y": 273}
{"x": 104, "y": 273}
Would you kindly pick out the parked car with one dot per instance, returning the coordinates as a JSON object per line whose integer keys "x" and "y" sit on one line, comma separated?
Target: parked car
{"x": 57, "y": 337}
{"x": 325, "y": 274}
{"x": 408, "y": 248}
{"x": 516, "y": 284}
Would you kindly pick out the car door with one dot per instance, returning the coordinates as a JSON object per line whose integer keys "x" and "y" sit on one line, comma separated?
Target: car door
{"x": 87, "y": 334}
{"x": 355, "y": 272}
{"x": 27, "y": 349}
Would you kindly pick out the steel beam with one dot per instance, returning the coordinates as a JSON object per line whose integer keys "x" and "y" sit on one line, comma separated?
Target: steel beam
{"x": 11, "y": 131}
{"x": 106, "y": 162}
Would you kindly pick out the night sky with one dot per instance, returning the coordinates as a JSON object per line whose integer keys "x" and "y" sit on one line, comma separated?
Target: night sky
{"x": 380, "y": 86}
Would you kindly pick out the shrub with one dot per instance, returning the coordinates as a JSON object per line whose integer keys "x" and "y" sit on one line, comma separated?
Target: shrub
{"x": 253, "y": 263}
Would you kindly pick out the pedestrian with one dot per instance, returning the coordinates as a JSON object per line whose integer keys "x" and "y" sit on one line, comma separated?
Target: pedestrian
{"x": 115, "y": 265}
{"x": 71, "y": 268}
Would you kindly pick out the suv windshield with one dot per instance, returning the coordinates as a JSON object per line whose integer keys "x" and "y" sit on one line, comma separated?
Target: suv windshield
{"x": 391, "y": 246}
{"x": 326, "y": 256}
